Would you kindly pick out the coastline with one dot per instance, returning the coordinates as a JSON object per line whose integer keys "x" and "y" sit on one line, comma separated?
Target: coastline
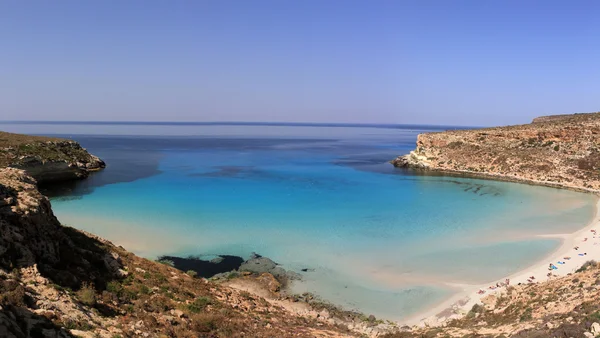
{"x": 461, "y": 303}
{"x": 458, "y": 291}
{"x": 429, "y": 171}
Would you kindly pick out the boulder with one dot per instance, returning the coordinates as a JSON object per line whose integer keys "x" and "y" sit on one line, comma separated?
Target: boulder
{"x": 595, "y": 329}
{"x": 258, "y": 265}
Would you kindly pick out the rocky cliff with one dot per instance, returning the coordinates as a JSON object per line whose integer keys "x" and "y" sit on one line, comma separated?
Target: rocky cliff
{"x": 47, "y": 159}
{"x": 562, "y": 151}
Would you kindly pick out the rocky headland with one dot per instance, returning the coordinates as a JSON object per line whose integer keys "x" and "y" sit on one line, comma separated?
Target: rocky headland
{"x": 47, "y": 159}
{"x": 558, "y": 151}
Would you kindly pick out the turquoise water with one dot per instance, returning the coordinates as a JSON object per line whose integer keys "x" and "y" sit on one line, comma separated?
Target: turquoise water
{"x": 374, "y": 238}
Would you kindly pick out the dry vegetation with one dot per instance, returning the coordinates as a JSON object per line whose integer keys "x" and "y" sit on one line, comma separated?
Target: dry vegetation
{"x": 14, "y": 148}
{"x": 562, "y": 151}
{"x": 564, "y": 307}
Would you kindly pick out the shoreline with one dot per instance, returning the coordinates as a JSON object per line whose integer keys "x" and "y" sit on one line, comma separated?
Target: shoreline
{"x": 459, "y": 291}
{"x": 461, "y": 303}
{"x": 431, "y": 171}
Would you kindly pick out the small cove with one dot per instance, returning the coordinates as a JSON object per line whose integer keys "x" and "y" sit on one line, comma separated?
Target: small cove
{"x": 375, "y": 238}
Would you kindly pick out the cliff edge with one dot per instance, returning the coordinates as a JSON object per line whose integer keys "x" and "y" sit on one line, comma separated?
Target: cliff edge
{"x": 560, "y": 151}
{"x": 47, "y": 159}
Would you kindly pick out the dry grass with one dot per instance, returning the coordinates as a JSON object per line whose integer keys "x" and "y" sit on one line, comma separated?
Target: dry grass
{"x": 14, "y": 140}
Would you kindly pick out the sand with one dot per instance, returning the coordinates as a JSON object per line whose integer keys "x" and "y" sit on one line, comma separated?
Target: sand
{"x": 586, "y": 240}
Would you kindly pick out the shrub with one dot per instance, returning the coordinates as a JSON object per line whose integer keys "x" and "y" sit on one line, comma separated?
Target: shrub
{"x": 158, "y": 304}
{"x": 475, "y": 310}
{"x": 114, "y": 287}
{"x": 11, "y": 293}
{"x": 199, "y": 304}
{"x": 87, "y": 295}
{"x": 204, "y": 323}
{"x": 192, "y": 273}
{"x": 590, "y": 162}
{"x": 586, "y": 265}
{"x": 527, "y": 315}
{"x": 166, "y": 262}
{"x": 144, "y": 289}
{"x": 455, "y": 144}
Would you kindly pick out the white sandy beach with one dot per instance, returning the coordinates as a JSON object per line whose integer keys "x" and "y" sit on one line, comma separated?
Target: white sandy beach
{"x": 588, "y": 248}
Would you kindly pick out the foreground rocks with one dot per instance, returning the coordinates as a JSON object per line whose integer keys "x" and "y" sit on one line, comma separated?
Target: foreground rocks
{"x": 258, "y": 265}
{"x": 559, "y": 151}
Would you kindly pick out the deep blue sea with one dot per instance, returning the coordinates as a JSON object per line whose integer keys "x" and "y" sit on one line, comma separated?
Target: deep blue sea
{"x": 324, "y": 198}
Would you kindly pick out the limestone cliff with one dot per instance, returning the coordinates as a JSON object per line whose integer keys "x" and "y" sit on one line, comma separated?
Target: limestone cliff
{"x": 562, "y": 151}
{"x": 47, "y": 159}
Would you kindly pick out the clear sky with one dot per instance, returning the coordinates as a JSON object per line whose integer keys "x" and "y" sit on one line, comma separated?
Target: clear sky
{"x": 435, "y": 62}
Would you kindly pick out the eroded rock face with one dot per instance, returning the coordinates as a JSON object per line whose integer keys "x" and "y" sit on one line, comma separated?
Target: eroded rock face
{"x": 556, "y": 151}
{"x": 53, "y": 161}
{"x": 30, "y": 234}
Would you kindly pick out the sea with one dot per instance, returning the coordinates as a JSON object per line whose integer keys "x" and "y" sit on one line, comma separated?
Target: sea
{"x": 321, "y": 200}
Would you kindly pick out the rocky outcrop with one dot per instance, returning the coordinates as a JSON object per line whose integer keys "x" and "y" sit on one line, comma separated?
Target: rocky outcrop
{"x": 258, "y": 264}
{"x": 47, "y": 159}
{"x": 31, "y": 235}
{"x": 559, "y": 152}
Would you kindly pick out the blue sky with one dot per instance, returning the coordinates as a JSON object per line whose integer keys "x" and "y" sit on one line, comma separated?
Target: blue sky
{"x": 435, "y": 62}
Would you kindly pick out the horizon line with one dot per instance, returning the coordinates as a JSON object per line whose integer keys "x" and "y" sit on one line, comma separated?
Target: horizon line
{"x": 233, "y": 123}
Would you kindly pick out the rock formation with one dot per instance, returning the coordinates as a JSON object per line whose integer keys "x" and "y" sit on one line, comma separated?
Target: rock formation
{"x": 562, "y": 151}
{"x": 47, "y": 159}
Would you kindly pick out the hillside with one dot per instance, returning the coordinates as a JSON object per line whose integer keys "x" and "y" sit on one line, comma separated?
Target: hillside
{"x": 561, "y": 151}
